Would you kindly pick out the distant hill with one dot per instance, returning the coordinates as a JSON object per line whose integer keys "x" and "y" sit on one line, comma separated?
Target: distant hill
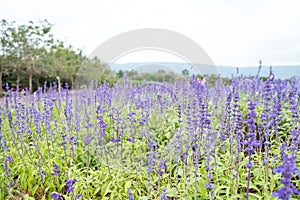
{"x": 152, "y": 67}
{"x": 282, "y": 72}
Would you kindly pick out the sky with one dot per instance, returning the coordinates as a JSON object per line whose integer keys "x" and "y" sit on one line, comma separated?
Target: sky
{"x": 232, "y": 32}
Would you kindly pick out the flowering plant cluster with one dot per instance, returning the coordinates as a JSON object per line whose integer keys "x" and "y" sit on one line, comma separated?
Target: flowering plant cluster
{"x": 182, "y": 140}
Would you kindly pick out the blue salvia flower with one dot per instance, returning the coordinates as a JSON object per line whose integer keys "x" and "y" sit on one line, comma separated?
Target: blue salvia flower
{"x": 287, "y": 170}
{"x": 151, "y": 145}
{"x": 237, "y": 127}
{"x": 163, "y": 195}
{"x": 210, "y": 146}
{"x": 77, "y": 116}
{"x": 3, "y": 144}
{"x": 72, "y": 141}
{"x": 251, "y": 122}
{"x": 237, "y": 112}
{"x": 251, "y": 143}
{"x": 271, "y": 76}
{"x": 295, "y": 131}
{"x": 179, "y": 111}
{"x": 228, "y": 115}
{"x": 40, "y": 171}
{"x": 195, "y": 139}
{"x": 87, "y": 140}
{"x": 56, "y": 170}
{"x": 130, "y": 140}
{"x": 259, "y": 68}
{"x": 102, "y": 126}
{"x": 266, "y": 117}
{"x": 8, "y": 159}
{"x": 161, "y": 167}
{"x": 69, "y": 184}
{"x": 131, "y": 118}
{"x": 55, "y": 196}
{"x": 36, "y": 116}
{"x": 130, "y": 196}
{"x": 183, "y": 157}
{"x": 276, "y": 114}
{"x": 178, "y": 146}
{"x": 115, "y": 140}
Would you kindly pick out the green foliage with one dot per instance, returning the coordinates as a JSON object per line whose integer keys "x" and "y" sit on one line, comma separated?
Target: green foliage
{"x": 108, "y": 173}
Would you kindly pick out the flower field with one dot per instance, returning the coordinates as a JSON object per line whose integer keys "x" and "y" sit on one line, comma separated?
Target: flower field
{"x": 183, "y": 140}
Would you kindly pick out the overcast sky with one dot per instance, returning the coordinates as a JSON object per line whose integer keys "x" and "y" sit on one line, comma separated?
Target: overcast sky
{"x": 232, "y": 32}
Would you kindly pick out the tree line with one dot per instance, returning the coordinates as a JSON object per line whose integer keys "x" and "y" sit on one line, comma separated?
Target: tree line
{"x": 31, "y": 55}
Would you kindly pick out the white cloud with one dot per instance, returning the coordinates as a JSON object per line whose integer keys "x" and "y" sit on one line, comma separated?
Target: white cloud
{"x": 232, "y": 32}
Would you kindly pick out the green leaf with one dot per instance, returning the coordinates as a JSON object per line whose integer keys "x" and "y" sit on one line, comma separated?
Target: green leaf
{"x": 172, "y": 192}
{"x": 34, "y": 189}
{"x": 27, "y": 197}
{"x": 97, "y": 190}
{"x": 107, "y": 189}
{"x": 127, "y": 185}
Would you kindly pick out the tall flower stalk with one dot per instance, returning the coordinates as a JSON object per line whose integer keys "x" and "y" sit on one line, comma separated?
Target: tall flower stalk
{"x": 251, "y": 141}
{"x": 288, "y": 169}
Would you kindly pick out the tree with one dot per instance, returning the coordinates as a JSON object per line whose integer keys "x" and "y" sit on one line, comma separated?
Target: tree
{"x": 65, "y": 61}
{"x": 4, "y": 45}
{"x": 185, "y": 72}
{"x": 35, "y": 41}
{"x": 26, "y": 45}
{"x": 29, "y": 54}
{"x": 120, "y": 74}
{"x": 93, "y": 70}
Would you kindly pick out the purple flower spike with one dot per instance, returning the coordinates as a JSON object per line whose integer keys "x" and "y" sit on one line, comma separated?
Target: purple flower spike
{"x": 55, "y": 196}
{"x": 115, "y": 140}
{"x": 87, "y": 140}
{"x": 163, "y": 196}
{"x": 130, "y": 197}
{"x": 161, "y": 167}
{"x": 287, "y": 169}
{"x": 70, "y": 184}
{"x": 251, "y": 141}
{"x": 56, "y": 170}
